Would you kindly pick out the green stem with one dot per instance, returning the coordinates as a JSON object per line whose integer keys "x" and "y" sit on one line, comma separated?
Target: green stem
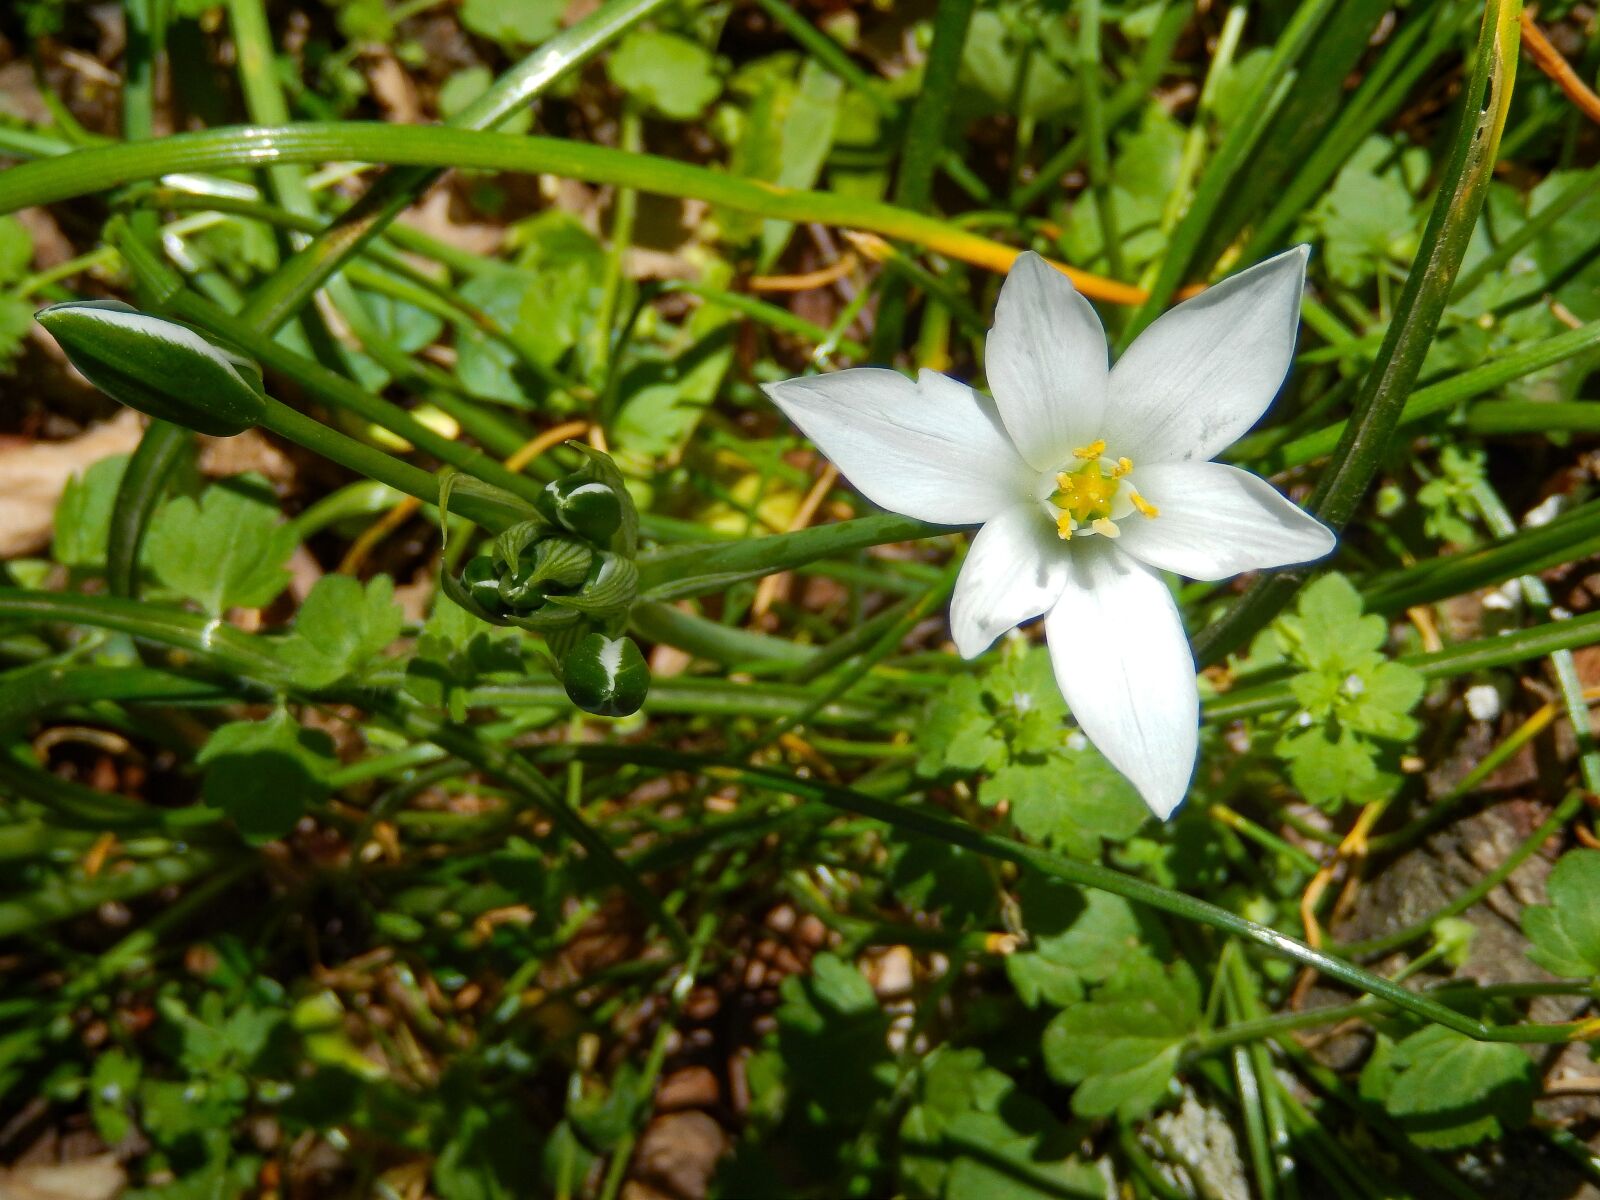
{"x": 1382, "y": 398}
{"x": 161, "y": 448}
{"x": 675, "y": 572}
{"x": 929, "y": 823}
{"x": 287, "y": 291}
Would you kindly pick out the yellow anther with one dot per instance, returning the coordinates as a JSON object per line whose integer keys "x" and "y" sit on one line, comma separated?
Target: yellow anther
{"x": 1106, "y": 527}
{"x": 1064, "y": 524}
{"x": 1092, "y": 451}
{"x": 1146, "y": 509}
{"x": 1124, "y": 465}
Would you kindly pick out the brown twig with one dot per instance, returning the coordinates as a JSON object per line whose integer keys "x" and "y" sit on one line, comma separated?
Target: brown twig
{"x": 1548, "y": 59}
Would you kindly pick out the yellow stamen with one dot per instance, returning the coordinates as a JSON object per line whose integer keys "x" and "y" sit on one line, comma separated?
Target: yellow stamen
{"x": 1092, "y": 451}
{"x": 1106, "y": 527}
{"x": 1124, "y": 465}
{"x": 1146, "y": 509}
{"x": 1064, "y": 524}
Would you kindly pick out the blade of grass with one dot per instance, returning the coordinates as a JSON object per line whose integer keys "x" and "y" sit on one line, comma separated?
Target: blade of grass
{"x": 922, "y": 147}
{"x": 92, "y": 170}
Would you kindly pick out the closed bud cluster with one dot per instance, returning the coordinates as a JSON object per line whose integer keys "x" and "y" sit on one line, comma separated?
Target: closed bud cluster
{"x": 568, "y": 573}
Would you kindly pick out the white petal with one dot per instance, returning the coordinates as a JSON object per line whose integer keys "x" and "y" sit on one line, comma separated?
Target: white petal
{"x": 1125, "y": 667}
{"x": 1218, "y": 521}
{"x": 1203, "y": 373}
{"x": 1015, "y": 570}
{"x": 933, "y": 449}
{"x": 1046, "y": 361}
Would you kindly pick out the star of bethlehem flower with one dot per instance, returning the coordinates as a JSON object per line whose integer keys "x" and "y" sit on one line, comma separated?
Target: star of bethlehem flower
{"x": 1089, "y": 481}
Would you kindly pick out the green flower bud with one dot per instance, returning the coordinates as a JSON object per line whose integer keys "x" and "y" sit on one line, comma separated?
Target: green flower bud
{"x": 481, "y": 582}
{"x": 606, "y": 676}
{"x": 553, "y": 566}
{"x": 589, "y": 509}
{"x": 559, "y": 562}
{"x": 159, "y": 367}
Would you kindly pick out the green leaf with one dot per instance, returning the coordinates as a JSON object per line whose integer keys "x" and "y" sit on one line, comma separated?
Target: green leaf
{"x": 83, "y": 515}
{"x": 1365, "y": 219}
{"x": 514, "y": 24}
{"x": 804, "y": 137}
{"x": 1328, "y": 626}
{"x": 999, "y": 46}
{"x": 957, "y": 732}
{"x": 1122, "y": 1047}
{"x": 1069, "y": 799}
{"x": 833, "y": 1035}
{"x": 1447, "y": 1090}
{"x": 665, "y": 398}
{"x": 16, "y": 249}
{"x": 1566, "y": 932}
{"x": 227, "y": 551}
{"x": 1077, "y": 938}
{"x": 1331, "y": 766}
{"x": 112, "y": 1084}
{"x": 971, "y": 1136}
{"x": 340, "y": 629}
{"x": 265, "y": 774}
{"x": 674, "y": 76}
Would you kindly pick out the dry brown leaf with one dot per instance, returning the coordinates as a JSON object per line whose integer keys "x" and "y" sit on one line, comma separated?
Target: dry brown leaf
{"x": 33, "y": 475}
{"x": 97, "y": 1178}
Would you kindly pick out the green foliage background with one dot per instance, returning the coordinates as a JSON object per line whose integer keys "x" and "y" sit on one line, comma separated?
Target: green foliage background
{"x": 317, "y": 885}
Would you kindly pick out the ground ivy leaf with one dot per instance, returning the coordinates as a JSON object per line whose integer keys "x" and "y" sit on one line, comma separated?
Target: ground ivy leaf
{"x": 1121, "y": 1048}
{"x": 1366, "y": 216}
{"x": 971, "y": 1136}
{"x": 1566, "y": 932}
{"x": 340, "y": 628}
{"x": 1447, "y": 1090}
{"x": 264, "y": 774}
{"x": 224, "y": 552}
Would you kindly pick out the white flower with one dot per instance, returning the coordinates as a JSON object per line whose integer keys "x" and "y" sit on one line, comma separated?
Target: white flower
{"x": 1088, "y": 482}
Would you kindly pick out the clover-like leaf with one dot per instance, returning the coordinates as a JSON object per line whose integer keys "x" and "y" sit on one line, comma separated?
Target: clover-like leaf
{"x": 1566, "y": 932}
{"x": 264, "y": 774}
{"x": 1447, "y": 1090}
{"x": 340, "y": 628}
{"x": 1121, "y": 1048}
{"x": 227, "y": 550}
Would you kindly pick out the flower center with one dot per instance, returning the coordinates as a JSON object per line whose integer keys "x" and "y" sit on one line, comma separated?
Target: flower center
{"x": 1093, "y": 495}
